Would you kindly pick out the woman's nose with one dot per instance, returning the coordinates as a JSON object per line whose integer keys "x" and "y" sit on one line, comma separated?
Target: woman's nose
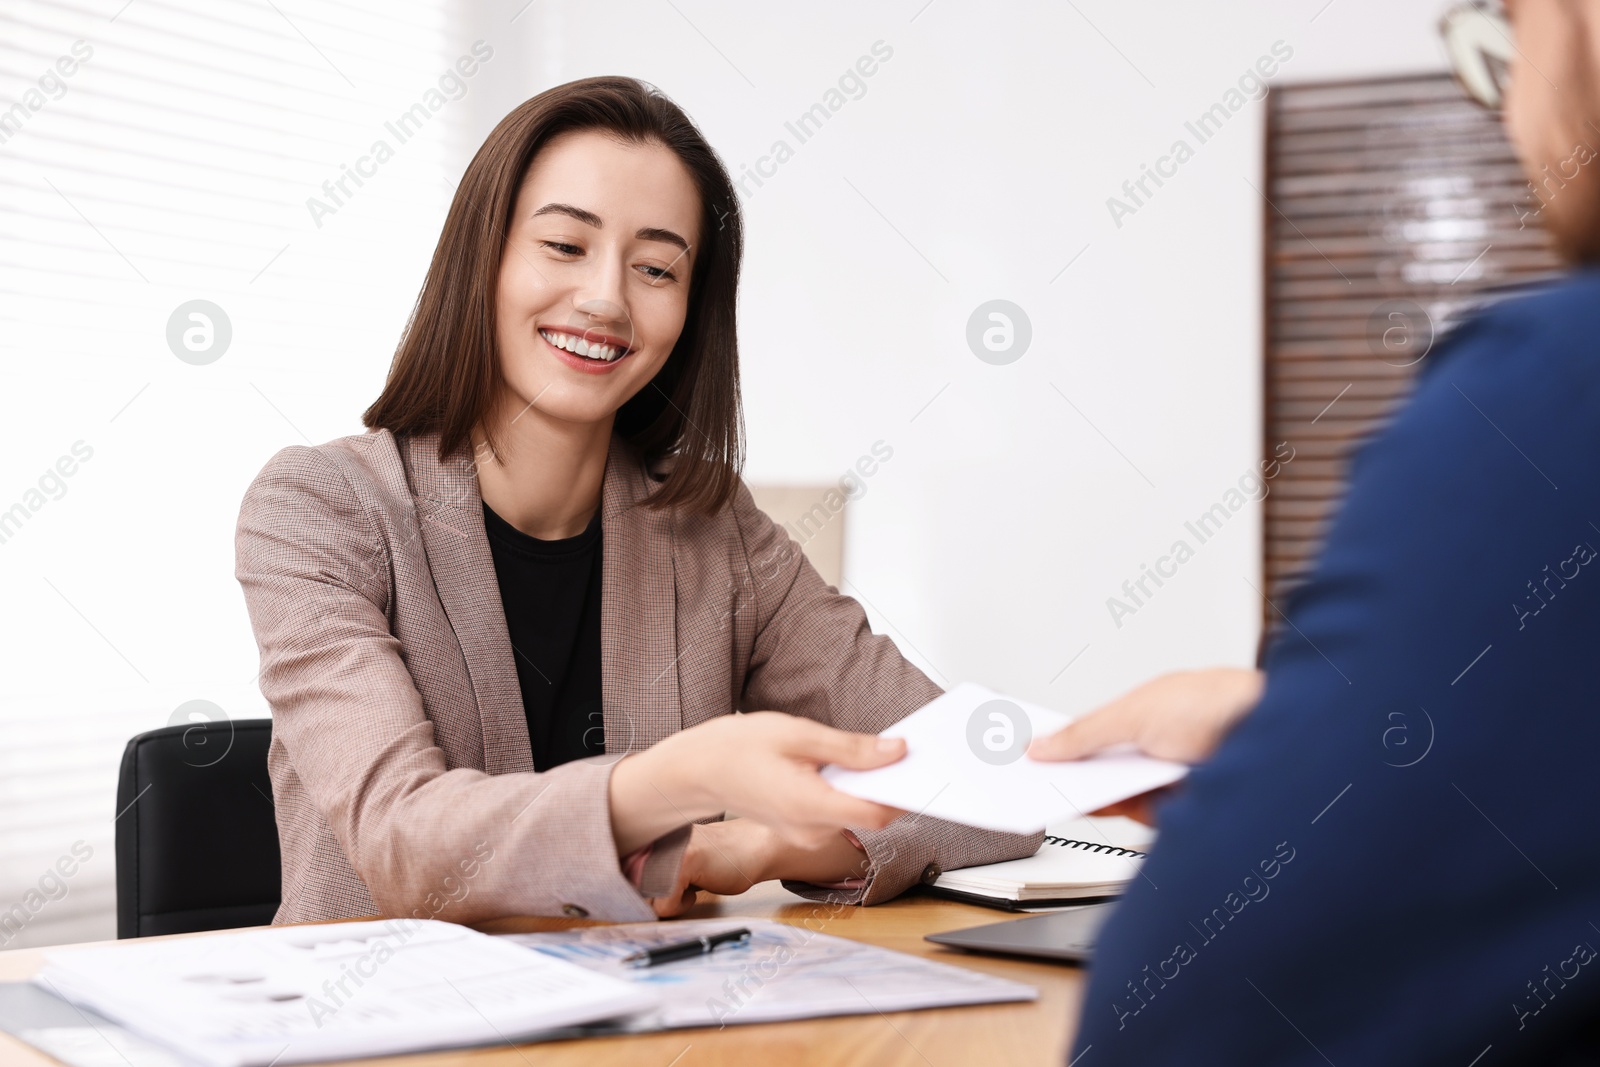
{"x": 602, "y": 286}
{"x": 603, "y": 315}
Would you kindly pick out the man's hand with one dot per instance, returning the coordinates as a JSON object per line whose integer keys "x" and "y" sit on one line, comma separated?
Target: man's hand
{"x": 1180, "y": 716}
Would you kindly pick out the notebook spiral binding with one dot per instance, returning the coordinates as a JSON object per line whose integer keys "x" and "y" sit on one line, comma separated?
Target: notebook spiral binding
{"x": 1090, "y": 846}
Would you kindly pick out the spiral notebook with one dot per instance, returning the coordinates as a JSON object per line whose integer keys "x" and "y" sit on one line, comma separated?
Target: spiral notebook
{"x": 1077, "y": 864}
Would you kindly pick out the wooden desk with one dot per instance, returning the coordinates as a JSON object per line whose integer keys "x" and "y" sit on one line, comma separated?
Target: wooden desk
{"x": 1031, "y": 1033}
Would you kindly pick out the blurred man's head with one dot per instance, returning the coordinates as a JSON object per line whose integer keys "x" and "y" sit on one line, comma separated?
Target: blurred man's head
{"x": 1552, "y": 115}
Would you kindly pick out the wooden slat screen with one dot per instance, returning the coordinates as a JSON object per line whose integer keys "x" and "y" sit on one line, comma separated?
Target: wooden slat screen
{"x": 1394, "y": 206}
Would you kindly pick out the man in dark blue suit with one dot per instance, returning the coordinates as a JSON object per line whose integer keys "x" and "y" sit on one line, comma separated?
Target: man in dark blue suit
{"x": 1392, "y": 859}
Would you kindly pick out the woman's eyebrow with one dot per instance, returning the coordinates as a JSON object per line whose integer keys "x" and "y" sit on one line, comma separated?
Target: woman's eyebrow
{"x": 646, "y": 233}
{"x": 653, "y": 233}
{"x": 587, "y": 217}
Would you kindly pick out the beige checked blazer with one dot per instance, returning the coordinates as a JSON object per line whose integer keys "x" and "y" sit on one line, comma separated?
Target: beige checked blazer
{"x": 400, "y": 760}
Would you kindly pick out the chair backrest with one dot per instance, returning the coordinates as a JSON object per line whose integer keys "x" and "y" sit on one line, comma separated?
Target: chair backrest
{"x": 197, "y": 836}
{"x": 814, "y": 516}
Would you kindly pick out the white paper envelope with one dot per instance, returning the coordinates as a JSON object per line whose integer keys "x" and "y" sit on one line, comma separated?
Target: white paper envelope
{"x": 965, "y": 762}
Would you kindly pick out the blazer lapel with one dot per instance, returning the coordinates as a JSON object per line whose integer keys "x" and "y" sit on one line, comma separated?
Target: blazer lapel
{"x": 638, "y": 630}
{"x": 450, "y": 515}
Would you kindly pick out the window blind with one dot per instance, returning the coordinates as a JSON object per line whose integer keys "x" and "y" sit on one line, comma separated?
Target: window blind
{"x": 153, "y": 152}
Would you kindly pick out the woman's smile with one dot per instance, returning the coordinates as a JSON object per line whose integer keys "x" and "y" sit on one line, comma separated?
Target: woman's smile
{"x": 590, "y": 351}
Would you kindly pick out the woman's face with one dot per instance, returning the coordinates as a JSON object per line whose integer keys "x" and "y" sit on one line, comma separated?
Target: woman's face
{"x": 602, "y": 241}
{"x": 1552, "y": 106}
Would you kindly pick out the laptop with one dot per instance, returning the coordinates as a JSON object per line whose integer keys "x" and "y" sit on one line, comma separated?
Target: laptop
{"x": 1068, "y": 934}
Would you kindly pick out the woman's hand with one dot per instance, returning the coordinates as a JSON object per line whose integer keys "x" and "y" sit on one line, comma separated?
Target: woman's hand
{"x": 762, "y": 765}
{"x": 725, "y": 858}
{"x": 729, "y": 857}
{"x": 1180, "y": 716}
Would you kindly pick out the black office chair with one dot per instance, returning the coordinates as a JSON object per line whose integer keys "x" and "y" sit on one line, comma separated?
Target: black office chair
{"x": 197, "y": 837}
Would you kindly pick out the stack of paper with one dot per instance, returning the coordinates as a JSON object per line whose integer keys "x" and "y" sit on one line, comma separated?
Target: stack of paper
{"x": 340, "y": 991}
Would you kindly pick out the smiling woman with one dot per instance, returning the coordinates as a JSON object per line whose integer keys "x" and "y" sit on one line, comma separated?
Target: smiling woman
{"x": 534, "y": 196}
{"x": 605, "y": 296}
{"x": 521, "y": 609}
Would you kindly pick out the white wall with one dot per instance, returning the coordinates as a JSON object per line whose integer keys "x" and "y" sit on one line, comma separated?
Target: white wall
{"x": 991, "y": 141}
{"x": 976, "y": 166}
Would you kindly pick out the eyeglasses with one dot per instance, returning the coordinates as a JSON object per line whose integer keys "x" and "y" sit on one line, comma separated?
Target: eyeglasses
{"x": 1477, "y": 38}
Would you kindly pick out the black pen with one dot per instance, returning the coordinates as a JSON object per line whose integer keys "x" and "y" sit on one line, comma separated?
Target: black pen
{"x": 683, "y": 950}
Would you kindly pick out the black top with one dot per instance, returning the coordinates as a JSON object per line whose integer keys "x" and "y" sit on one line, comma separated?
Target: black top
{"x": 550, "y": 591}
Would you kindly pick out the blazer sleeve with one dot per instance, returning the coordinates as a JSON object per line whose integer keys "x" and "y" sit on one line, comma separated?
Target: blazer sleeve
{"x": 315, "y": 573}
{"x": 815, "y": 655}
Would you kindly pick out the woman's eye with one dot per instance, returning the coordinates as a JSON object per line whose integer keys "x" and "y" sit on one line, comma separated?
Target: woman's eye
{"x": 562, "y": 247}
{"x": 659, "y": 273}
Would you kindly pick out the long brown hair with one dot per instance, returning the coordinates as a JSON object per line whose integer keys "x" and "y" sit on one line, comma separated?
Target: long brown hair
{"x": 446, "y": 371}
